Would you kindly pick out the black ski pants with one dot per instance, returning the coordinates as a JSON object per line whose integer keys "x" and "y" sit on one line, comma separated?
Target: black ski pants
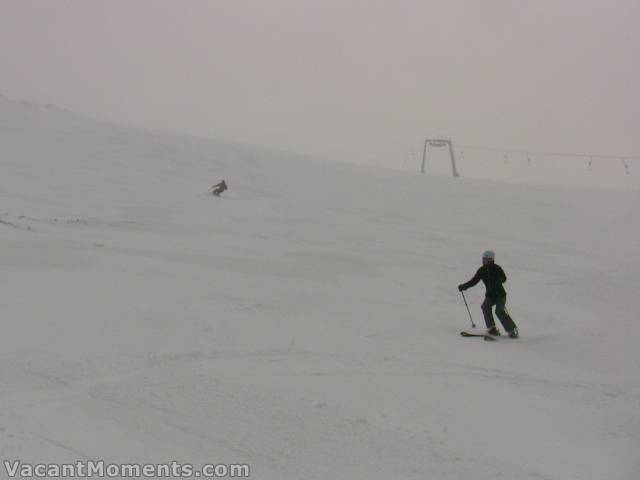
{"x": 501, "y": 311}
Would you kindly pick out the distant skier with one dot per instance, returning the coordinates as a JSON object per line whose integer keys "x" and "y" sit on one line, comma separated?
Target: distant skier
{"x": 493, "y": 277}
{"x": 219, "y": 188}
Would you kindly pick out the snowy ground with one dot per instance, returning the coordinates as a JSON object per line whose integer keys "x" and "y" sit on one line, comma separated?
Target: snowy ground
{"x": 307, "y": 322}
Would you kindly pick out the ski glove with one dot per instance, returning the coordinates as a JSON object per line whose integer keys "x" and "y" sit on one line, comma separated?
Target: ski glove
{"x": 461, "y": 287}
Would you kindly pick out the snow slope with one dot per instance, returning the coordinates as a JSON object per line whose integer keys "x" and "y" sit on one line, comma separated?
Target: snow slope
{"x": 306, "y": 322}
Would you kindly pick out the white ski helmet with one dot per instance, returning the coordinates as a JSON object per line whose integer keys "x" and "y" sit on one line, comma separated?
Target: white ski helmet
{"x": 489, "y": 255}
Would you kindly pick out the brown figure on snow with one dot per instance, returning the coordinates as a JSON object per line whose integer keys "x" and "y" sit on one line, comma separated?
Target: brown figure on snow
{"x": 219, "y": 188}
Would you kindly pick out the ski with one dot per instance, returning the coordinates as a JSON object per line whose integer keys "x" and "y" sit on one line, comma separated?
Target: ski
{"x": 489, "y": 338}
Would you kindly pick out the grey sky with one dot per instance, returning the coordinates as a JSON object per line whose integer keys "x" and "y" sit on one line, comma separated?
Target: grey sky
{"x": 347, "y": 79}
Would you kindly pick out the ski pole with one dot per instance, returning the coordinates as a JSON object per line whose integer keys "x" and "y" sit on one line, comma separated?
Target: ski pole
{"x": 465, "y": 302}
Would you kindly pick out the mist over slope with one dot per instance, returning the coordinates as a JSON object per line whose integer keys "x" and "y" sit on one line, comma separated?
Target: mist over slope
{"x": 306, "y": 322}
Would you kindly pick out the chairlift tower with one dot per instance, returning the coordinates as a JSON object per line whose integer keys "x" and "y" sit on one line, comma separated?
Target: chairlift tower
{"x": 439, "y": 142}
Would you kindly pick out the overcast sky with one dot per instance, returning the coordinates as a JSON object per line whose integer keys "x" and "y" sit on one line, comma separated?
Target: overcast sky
{"x": 346, "y": 79}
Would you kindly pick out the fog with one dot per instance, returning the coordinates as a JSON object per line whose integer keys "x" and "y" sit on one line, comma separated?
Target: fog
{"x": 363, "y": 81}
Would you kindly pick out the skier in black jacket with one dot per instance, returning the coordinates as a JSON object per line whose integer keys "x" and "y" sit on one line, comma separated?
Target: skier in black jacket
{"x": 493, "y": 277}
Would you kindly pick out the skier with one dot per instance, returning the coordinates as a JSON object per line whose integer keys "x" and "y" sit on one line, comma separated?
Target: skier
{"x": 219, "y": 188}
{"x": 493, "y": 277}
